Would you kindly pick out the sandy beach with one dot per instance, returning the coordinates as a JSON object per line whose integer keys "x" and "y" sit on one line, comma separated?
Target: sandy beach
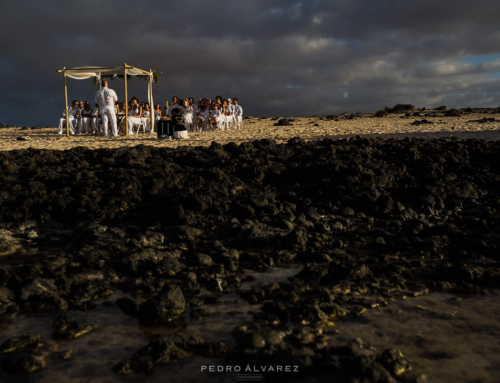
{"x": 254, "y": 128}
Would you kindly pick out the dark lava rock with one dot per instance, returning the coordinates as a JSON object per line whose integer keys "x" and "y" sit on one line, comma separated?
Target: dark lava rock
{"x": 421, "y": 122}
{"x": 162, "y": 350}
{"x": 484, "y": 120}
{"x": 452, "y": 113}
{"x": 369, "y": 220}
{"x": 402, "y": 107}
{"x": 164, "y": 307}
{"x": 283, "y": 122}
{"x": 27, "y": 354}
{"x": 68, "y": 329}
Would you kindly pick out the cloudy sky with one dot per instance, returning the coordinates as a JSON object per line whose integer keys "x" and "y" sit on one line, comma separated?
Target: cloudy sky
{"x": 278, "y": 57}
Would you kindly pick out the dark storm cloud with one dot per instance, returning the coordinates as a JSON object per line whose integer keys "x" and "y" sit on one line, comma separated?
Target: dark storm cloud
{"x": 277, "y": 57}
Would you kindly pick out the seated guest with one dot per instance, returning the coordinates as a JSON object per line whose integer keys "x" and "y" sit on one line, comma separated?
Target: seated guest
{"x": 187, "y": 113}
{"x": 71, "y": 116}
{"x": 157, "y": 112}
{"x": 134, "y": 114}
{"x": 86, "y": 118}
{"x": 96, "y": 119}
{"x": 214, "y": 118}
{"x": 142, "y": 105}
{"x": 238, "y": 113}
{"x": 192, "y": 105}
{"x": 172, "y": 106}
{"x": 78, "y": 115}
{"x": 223, "y": 116}
{"x": 118, "y": 107}
{"x": 202, "y": 115}
{"x": 146, "y": 115}
{"x": 120, "y": 114}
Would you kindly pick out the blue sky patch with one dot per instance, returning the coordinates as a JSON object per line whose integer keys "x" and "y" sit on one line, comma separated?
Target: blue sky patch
{"x": 480, "y": 59}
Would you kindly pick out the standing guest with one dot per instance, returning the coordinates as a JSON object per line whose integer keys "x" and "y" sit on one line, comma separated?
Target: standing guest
{"x": 174, "y": 105}
{"x": 187, "y": 113}
{"x": 229, "y": 114}
{"x": 106, "y": 98}
{"x": 134, "y": 114}
{"x": 238, "y": 113}
{"x": 86, "y": 118}
{"x": 71, "y": 116}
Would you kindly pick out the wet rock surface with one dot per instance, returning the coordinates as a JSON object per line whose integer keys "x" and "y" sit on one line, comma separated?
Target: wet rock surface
{"x": 369, "y": 222}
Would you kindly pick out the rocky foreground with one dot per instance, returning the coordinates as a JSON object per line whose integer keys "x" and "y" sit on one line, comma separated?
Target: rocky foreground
{"x": 369, "y": 222}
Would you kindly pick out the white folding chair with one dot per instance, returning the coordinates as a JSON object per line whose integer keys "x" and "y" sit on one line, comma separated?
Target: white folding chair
{"x": 142, "y": 125}
{"x": 230, "y": 122}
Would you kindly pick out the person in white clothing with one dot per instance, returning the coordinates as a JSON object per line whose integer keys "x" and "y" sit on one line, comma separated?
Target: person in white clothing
{"x": 187, "y": 113}
{"x": 107, "y": 98}
{"x": 96, "y": 120}
{"x": 193, "y": 105}
{"x": 85, "y": 118}
{"x": 174, "y": 104}
{"x": 229, "y": 112}
{"x": 71, "y": 116}
{"x": 214, "y": 119}
{"x": 134, "y": 114}
{"x": 146, "y": 115}
{"x": 203, "y": 113}
{"x": 238, "y": 113}
{"x": 157, "y": 112}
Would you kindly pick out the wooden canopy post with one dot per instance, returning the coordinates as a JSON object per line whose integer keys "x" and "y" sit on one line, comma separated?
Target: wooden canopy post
{"x": 66, "y": 102}
{"x": 126, "y": 98}
{"x": 98, "y": 109}
{"x": 151, "y": 107}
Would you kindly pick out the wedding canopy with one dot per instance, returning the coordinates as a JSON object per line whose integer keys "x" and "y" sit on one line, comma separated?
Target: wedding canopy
{"x": 98, "y": 73}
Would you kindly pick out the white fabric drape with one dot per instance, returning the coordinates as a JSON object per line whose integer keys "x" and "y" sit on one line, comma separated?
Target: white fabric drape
{"x": 85, "y": 72}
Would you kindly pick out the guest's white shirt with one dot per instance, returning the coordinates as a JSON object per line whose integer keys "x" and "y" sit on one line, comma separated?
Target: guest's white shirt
{"x": 71, "y": 112}
{"x": 187, "y": 109}
{"x": 238, "y": 110}
{"x": 106, "y": 98}
{"x": 86, "y": 113}
{"x": 230, "y": 109}
{"x": 171, "y": 107}
{"x": 215, "y": 113}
